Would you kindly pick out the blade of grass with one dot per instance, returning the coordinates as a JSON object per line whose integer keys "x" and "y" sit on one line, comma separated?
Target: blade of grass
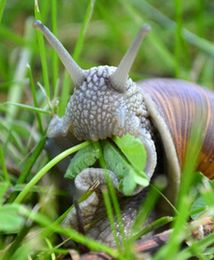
{"x": 151, "y": 227}
{"x": 116, "y": 207}
{"x": 84, "y": 27}
{"x": 3, "y": 164}
{"x": 126, "y": 251}
{"x": 15, "y": 140}
{"x": 47, "y": 98}
{"x": 184, "y": 200}
{"x": 31, "y": 159}
{"x": 208, "y": 73}
{"x": 42, "y": 50}
{"x": 46, "y": 232}
{"x": 178, "y": 36}
{"x": 201, "y": 245}
{"x": 55, "y": 60}
{"x": 154, "y": 40}
{"x": 72, "y": 234}
{"x": 16, "y": 243}
{"x": 199, "y": 42}
{"x": 16, "y": 90}
{"x": 177, "y": 235}
{"x": 12, "y": 149}
{"x": 4, "y": 186}
{"x": 46, "y": 168}
{"x": 27, "y": 107}
{"x": 45, "y": 253}
{"x": 36, "y": 104}
{"x": 145, "y": 210}
{"x": 190, "y": 37}
{"x": 110, "y": 215}
{"x": 65, "y": 93}
{"x": 2, "y": 7}
{"x": 51, "y": 248}
{"x": 45, "y": 8}
{"x": 194, "y": 145}
{"x": 200, "y": 7}
{"x": 113, "y": 198}
{"x": 7, "y": 34}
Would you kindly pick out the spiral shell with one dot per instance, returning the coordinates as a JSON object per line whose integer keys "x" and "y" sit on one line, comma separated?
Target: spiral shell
{"x": 179, "y": 103}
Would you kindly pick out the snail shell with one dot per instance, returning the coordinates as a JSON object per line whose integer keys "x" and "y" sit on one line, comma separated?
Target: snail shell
{"x": 174, "y": 105}
{"x": 179, "y": 102}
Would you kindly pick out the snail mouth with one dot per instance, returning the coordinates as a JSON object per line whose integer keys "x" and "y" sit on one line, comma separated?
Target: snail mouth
{"x": 103, "y": 131}
{"x": 100, "y": 132}
{"x": 107, "y": 128}
{"x": 99, "y": 126}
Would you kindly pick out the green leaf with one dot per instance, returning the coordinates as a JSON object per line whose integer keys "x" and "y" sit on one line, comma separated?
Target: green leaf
{"x": 127, "y": 163}
{"x": 198, "y": 207}
{"x": 24, "y": 251}
{"x": 208, "y": 196}
{"x": 128, "y": 184}
{"x": 141, "y": 179}
{"x": 133, "y": 149}
{"x": 114, "y": 160}
{"x": 10, "y": 219}
{"x": 127, "y": 175}
{"x": 82, "y": 159}
{"x": 211, "y": 182}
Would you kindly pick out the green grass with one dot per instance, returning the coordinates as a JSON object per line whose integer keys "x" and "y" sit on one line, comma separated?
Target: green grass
{"x": 42, "y": 51}
{"x": 33, "y": 85}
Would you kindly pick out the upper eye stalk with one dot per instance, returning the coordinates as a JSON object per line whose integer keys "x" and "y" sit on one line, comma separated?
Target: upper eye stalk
{"x": 77, "y": 74}
{"x": 118, "y": 78}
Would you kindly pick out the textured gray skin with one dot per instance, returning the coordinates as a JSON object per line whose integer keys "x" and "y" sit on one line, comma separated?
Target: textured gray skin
{"x": 97, "y": 111}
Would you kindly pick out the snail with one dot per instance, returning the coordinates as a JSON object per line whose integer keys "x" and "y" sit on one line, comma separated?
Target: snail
{"x": 106, "y": 102}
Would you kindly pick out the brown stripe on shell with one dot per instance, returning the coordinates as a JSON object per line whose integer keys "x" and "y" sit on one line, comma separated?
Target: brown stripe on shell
{"x": 180, "y": 103}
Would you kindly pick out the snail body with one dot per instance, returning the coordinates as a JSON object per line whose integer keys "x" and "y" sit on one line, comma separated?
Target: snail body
{"x": 106, "y": 102}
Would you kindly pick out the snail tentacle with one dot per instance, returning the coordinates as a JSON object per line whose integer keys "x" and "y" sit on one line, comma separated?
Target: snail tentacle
{"x": 119, "y": 77}
{"x": 76, "y": 73}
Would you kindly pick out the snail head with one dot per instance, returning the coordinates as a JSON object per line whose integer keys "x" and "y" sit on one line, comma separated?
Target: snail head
{"x": 105, "y": 101}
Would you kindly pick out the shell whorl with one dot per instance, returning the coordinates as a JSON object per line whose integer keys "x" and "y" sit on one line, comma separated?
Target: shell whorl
{"x": 179, "y": 103}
